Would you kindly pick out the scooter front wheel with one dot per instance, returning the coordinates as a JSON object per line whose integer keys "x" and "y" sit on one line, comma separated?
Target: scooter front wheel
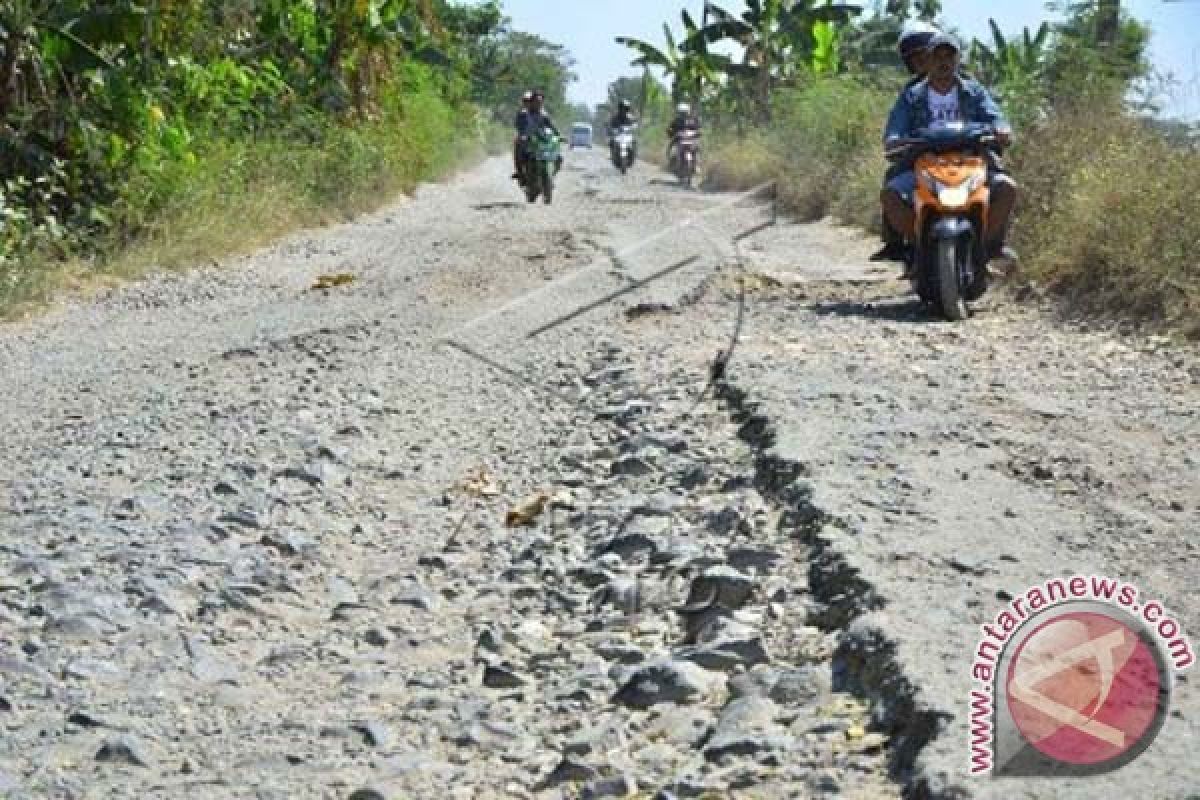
{"x": 951, "y": 255}
{"x": 547, "y": 183}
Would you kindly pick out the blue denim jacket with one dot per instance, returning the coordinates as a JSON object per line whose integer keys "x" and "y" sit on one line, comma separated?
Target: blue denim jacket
{"x": 911, "y": 112}
{"x": 528, "y": 123}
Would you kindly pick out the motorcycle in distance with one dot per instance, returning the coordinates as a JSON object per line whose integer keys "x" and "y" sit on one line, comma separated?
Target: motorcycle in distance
{"x": 543, "y": 154}
{"x": 623, "y": 147}
{"x": 948, "y": 261}
{"x": 685, "y": 149}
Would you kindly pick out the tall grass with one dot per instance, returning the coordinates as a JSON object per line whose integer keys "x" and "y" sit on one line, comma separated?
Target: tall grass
{"x": 1109, "y": 219}
{"x": 822, "y": 147}
{"x": 1105, "y": 218}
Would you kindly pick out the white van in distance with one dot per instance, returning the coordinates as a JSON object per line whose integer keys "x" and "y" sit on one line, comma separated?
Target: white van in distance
{"x": 581, "y": 135}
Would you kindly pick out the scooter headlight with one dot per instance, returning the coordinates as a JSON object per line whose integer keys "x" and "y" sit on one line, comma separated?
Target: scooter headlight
{"x": 953, "y": 196}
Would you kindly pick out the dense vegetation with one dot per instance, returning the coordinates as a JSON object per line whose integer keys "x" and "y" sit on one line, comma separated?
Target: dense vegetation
{"x": 1107, "y": 188}
{"x": 162, "y": 131}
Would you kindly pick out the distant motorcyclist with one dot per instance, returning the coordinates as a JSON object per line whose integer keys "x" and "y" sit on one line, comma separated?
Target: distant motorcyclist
{"x": 912, "y": 48}
{"x": 623, "y": 118}
{"x": 529, "y": 124}
{"x": 684, "y": 120}
{"x": 944, "y": 98}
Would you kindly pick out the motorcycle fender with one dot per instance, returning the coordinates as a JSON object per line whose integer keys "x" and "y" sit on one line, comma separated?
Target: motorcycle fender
{"x": 951, "y": 228}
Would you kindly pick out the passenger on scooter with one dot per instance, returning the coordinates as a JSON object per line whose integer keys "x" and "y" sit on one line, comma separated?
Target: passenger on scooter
{"x": 945, "y": 97}
{"x": 912, "y": 48}
{"x": 519, "y": 125}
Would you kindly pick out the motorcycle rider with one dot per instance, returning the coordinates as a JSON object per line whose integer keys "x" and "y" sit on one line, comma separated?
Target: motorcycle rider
{"x": 912, "y": 48}
{"x": 529, "y": 123}
{"x": 946, "y": 97}
{"x": 623, "y": 118}
{"x": 519, "y": 125}
{"x": 684, "y": 120}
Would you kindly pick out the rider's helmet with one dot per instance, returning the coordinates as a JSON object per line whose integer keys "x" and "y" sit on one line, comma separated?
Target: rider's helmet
{"x": 914, "y": 39}
{"x": 683, "y": 108}
{"x": 527, "y": 97}
{"x": 944, "y": 40}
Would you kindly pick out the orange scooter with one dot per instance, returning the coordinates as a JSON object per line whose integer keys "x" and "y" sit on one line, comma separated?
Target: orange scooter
{"x": 948, "y": 261}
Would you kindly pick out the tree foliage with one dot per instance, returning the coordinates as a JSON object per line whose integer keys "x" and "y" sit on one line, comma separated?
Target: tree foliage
{"x": 1082, "y": 59}
{"x": 1099, "y": 53}
{"x": 871, "y": 41}
{"x": 518, "y": 61}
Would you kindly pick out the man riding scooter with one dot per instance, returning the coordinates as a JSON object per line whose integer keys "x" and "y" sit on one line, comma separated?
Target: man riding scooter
{"x": 684, "y": 120}
{"x": 519, "y": 125}
{"x": 943, "y": 99}
{"x": 622, "y": 119}
{"x": 533, "y": 119}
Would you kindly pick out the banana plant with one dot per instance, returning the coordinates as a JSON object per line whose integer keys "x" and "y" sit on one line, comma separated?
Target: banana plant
{"x": 826, "y": 55}
{"x": 688, "y": 64}
{"x": 779, "y": 39}
{"x": 44, "y": 41}
{"x": 927, "y": 10}
{"x": 1010, "y": 62}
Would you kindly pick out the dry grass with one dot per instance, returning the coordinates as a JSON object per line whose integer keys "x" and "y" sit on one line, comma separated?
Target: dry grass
{"x": 1109, "y": 221}
{"x": 740, "y": 164}
{"x": 822, "y": 147}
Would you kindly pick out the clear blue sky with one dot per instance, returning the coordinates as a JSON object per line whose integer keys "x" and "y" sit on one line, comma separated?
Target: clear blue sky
{"x": 587, "y": 28}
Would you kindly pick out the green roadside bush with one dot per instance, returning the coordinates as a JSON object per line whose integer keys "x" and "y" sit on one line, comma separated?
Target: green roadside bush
{"x": 236, "y": 191}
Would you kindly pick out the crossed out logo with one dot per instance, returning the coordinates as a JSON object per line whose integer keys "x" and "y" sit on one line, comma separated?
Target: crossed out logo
{"x": 1073, "y": 678}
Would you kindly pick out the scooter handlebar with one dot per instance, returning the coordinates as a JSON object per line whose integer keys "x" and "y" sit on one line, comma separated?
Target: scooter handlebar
{"x": 896, "y": 149}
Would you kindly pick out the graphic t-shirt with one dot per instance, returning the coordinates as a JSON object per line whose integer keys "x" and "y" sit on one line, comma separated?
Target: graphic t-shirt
{"x": 943, "y": 108}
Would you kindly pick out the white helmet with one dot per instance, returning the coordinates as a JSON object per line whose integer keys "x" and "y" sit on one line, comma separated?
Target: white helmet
{"x": 915, "y": 36}
{"x": 683, "y": 108}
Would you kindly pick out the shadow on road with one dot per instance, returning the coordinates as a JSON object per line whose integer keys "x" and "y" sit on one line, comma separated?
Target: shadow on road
{"x": 909, "y": 310}
{"x": 670, "y": 183}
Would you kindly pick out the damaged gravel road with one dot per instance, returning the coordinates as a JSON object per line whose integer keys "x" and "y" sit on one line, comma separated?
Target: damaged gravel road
{"x": 255, "y": 543}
